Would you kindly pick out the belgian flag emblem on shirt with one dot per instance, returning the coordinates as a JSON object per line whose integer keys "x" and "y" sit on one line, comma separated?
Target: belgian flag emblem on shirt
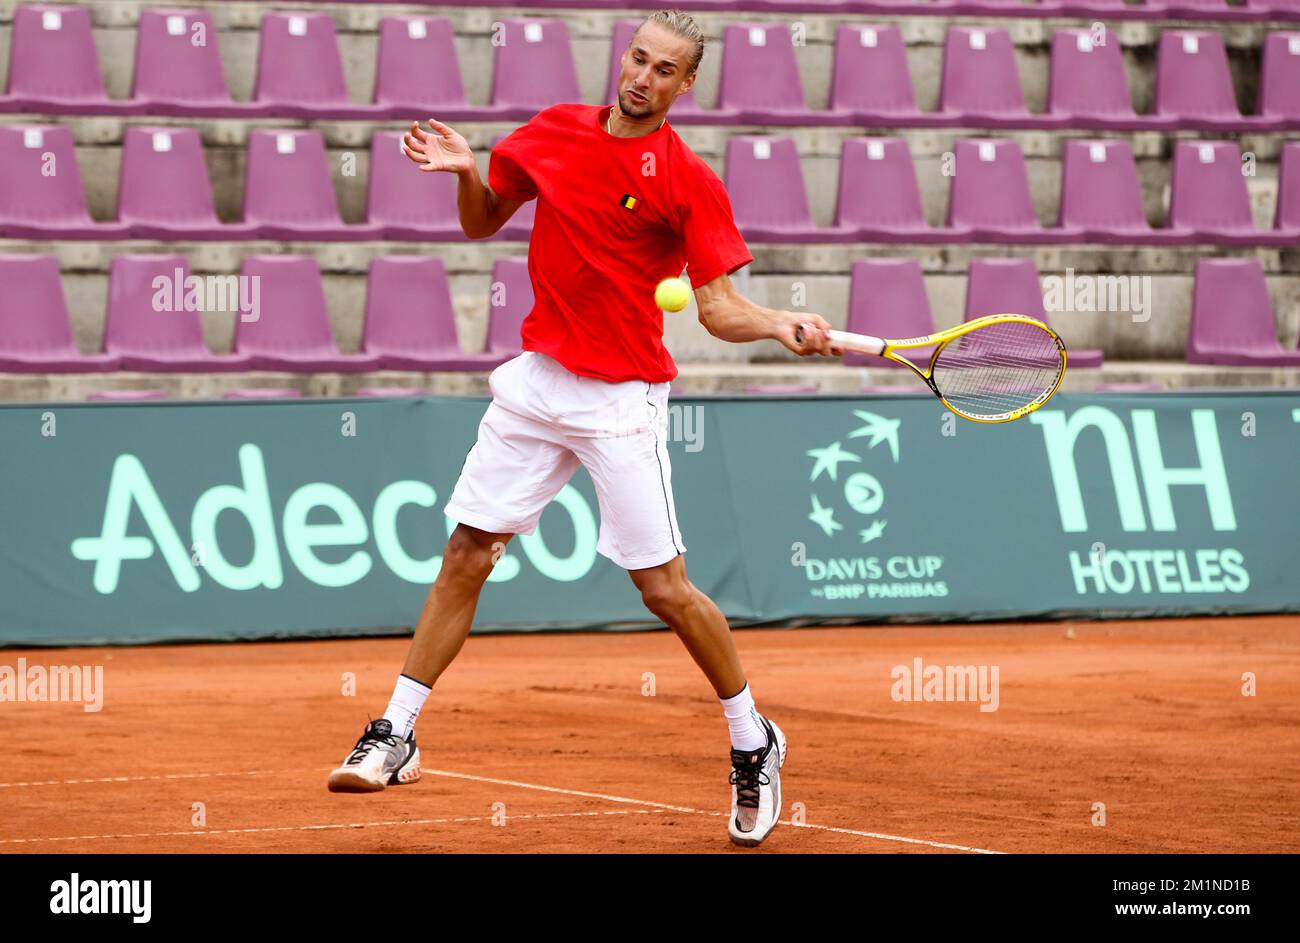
{"x": 629, "y": 202}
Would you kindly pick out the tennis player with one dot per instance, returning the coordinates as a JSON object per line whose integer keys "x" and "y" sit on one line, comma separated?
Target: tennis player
{"x": 622, "y": 203}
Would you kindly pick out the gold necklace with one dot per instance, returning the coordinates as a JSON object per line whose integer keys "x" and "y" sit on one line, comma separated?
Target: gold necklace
{"x": 609, "y": 127}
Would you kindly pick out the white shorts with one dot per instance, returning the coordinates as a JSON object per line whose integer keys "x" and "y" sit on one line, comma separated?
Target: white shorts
{"x": 542, "y": 423}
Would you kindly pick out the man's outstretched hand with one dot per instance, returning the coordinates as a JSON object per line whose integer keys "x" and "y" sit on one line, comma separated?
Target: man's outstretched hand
{"x": 439, "y": 148}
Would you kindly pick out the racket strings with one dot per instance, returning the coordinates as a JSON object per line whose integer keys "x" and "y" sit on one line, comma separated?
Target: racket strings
{"x": 998, "y": 368}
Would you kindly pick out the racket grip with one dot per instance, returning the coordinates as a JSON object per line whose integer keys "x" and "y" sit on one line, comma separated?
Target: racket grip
{"x": 846, "y": 340}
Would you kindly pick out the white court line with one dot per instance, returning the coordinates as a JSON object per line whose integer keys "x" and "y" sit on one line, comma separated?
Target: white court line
{"x": 607, "y": 797}
{"x": 678, "y": 808}
{"x": 319, "y": 828}
{"x": 898, "y": 838}
{"x": 140, "y": 779}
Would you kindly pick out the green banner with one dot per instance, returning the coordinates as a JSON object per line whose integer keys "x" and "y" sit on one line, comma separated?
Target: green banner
{"x": 177, "y": 521}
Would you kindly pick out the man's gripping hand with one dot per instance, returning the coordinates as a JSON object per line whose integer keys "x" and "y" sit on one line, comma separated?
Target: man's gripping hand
{"x": 804, "y": 333}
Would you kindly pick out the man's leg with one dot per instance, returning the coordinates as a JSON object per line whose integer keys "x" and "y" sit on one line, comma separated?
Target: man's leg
{"x": 517, "y": 465}
{"x": 703, "y": 629}
{"x": 696, "y": 619}
{"x": 449, "y": 608}
{"x": 386, "y": 754}
{"x": 758, "y": 746}
{"x": 632, "y": 473}
{"x": 445, "y": 621}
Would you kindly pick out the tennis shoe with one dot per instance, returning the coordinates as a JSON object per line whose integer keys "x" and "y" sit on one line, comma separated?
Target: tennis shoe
{"x": 378, "y": 760}
{"x": 756, "y": 788}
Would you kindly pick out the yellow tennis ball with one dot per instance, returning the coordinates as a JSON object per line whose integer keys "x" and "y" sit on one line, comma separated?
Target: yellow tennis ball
{"x": 672, "y": 294}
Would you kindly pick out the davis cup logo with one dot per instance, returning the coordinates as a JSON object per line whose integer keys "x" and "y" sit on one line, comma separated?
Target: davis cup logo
{"x": 860, "y": 491}
{"x": 847, "y": 501}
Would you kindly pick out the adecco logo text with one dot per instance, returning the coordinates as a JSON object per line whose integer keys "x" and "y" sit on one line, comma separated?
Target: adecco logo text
{"x": 130, "y": 487}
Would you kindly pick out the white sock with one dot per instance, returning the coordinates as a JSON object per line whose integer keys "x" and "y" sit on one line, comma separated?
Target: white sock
{"x": 747, "y": 733}
{"x": 408, "y": 698}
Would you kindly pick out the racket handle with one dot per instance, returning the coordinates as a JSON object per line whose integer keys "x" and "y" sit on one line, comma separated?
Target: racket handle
{"x": 846, "y": 340}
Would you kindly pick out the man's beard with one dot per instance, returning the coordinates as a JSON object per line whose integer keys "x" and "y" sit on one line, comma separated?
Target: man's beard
{"x": 627, "y": 107}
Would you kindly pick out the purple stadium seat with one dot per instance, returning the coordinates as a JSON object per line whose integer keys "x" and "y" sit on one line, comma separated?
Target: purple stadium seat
{"x": 54, "y": 65}
{"x": 990, "y": 196}
{"x": 35, "y": 330}
{"x": 160, "y": 341}
{"x": 879, "y": 199}
{"x": 1192, "y": 9}
{"x": 980, "y": 80}
{"x": 887, "y": 299}
{"x": 289, "y": 191}
{"x": 176, "y": 75}
{"x": 299, "y": 69}
{"x": 533, "y": 68}
{"x": 1087, "y": 84}
{"x": 1011, "y": 286}
{"x": 870, "y": 82}
{"x": 293, "y": 332}
{"x": 125, "y": 396}
{"x": 404, "y": 202}
{"x": 510, "y": 298}
{"x": 1232, "y": 318}
{"x": 685, "y": 107}
{"x": 41, "y": 196}
{"x": 1193, "y": 84}
{"x": 1208, "y": 195}
{"x": 1286, "y": 219}
{"x": 1100, "y": 194}
{"x": 417, "y": 70}
{"x": 1279, "y": 77}
{"x": 410, "y": 321}
{"x": 765, "y": 181}
{"x": 164, "y": 191}
{"x": 262, "y": 392}
{"x": 1281, "y": 9}
{"x": 759, "y": 80}
{"x": 1093, "y": 8}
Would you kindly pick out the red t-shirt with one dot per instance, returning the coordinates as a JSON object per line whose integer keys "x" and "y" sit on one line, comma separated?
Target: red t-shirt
{"x": 615, "y": 216}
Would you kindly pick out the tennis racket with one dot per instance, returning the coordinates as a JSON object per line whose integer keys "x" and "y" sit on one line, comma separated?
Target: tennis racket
{"x": 991, "y": 369}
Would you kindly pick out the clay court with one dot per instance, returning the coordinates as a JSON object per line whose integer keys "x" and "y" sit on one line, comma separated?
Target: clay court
{"x": 552, "y": 743}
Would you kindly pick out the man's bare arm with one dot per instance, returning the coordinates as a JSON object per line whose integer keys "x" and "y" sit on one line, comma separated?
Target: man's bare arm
{"x": 730, "y": 316}
{"x": 482, "y": 212}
